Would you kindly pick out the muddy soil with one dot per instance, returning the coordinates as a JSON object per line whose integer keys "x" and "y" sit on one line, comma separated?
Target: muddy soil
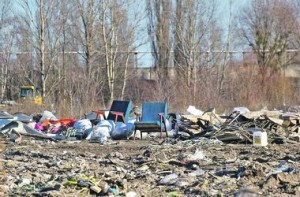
{"x": 148, "y": 167}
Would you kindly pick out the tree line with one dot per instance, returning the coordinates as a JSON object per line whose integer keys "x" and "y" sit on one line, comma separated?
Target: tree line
{"x": 81, "y": 54}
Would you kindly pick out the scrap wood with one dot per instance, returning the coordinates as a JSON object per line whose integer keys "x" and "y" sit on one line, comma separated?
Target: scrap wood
{"x": 212, "y": 117}
{"x": 285, "y": 140}
{"x": 275, "y": 120}
{"x": 189, "y": 119}
{"x": 189, "y": 131}
{"x": 232, "y": 136}
{"x": 230, "y": 119}
{"x": 209, "y": 117}
{"x": 291, "y": 116}
{"x": 256, "y": 114}
{"x": 188, "y": 124}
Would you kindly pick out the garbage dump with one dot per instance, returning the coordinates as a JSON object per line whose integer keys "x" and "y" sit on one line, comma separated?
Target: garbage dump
{"x": 243, "y": 153}
{"x": 239, "y": 126}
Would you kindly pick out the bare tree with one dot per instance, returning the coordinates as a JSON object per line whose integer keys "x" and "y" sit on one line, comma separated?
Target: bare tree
{"x": 6, "y": 43}
{"x": 267, "y": 27}
{"x": 132, "y": 37}
{"x": 195, "y": 32}
{"x": 296, "y": 10}
{"x": 43, "y": 32}
{"x": 159, "y": 28}
{"x": 221, "y": 79}
{"x": 117, "y": 38}
{"x": 86, "y": 35}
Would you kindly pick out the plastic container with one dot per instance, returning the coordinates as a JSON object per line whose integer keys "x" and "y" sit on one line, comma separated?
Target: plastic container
{"x": 260, "y": 138}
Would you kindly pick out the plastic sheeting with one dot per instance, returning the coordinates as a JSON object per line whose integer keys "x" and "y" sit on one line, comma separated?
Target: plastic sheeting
{"x": 101, "y": 132}
{"x": 47, "y": 115}
{"x": 192, "y": 110}
{"x": 122, "y": 131}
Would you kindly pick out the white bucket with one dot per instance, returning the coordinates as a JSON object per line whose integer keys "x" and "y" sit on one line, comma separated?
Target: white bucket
{"x": 260, "y": 138}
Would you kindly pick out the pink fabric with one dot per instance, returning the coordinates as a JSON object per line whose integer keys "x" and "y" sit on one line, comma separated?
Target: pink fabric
{"x": 38, "y": 127}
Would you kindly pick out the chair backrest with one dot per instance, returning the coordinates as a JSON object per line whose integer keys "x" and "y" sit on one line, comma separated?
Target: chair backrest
{"x": 150, "y": 111}
{"x": 120, "y": 106}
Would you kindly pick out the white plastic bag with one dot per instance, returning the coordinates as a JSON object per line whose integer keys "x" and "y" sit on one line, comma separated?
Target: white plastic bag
{"x": 242, "y": 110}
{"x": 107, "y": 123}
{"x": 83, "y": 124}
{"x": 168, "y": 125}
{"x": 31, "y": 125}
{"x": 47, "y": 115}
{"x": 101, "y": 132}
{"x": 191, "y": 110}
{"x": 132, "y": 119}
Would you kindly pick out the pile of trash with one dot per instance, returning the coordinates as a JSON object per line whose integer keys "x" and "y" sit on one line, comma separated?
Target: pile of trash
{"x": 240, "y": 126}
{"x": 207, "y": 155}
{"x": 47, "y": 126}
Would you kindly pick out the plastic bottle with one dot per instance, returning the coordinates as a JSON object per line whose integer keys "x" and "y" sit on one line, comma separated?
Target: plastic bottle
{"x": 260, "y": 138}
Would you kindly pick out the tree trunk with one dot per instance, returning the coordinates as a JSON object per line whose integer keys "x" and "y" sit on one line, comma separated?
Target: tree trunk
{"x": 42, "y": 47}
{"x": 125, "y": 77}
{"x": 4, "y": 73}
{"x": 228, "y": 47}
{"x": 110, "y": 42}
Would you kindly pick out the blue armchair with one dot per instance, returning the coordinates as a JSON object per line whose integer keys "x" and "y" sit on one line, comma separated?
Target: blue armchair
{"x": 152, "y": 119}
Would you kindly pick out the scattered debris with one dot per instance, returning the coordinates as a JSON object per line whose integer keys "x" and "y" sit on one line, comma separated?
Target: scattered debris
{"x": 239, "y": 126}
{"x": 208, "y": 155}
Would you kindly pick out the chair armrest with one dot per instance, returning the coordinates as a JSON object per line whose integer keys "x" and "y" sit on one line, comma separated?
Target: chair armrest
{"x": 138, "y": 116}
{"x": 100, "y": 112}
{"x": 162, "y": 117}
{"x": 162, "y": 120}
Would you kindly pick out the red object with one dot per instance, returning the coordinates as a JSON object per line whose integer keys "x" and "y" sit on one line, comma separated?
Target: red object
{"x": 100, "y": 112}
{"x": 64, "y": 121}
{"x": 118, "y": 114}
{"x": 161, "y": 120}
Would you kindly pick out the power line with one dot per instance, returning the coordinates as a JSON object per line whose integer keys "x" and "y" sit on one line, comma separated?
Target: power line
{"x": 137, "y": 52}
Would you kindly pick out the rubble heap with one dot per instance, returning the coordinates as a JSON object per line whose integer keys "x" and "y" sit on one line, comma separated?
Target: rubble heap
{"x": 238, "y": 127}
{"x": 207, "y": 155}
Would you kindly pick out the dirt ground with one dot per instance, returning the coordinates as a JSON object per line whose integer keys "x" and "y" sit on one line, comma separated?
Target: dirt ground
{"x": 148, "y": 167}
